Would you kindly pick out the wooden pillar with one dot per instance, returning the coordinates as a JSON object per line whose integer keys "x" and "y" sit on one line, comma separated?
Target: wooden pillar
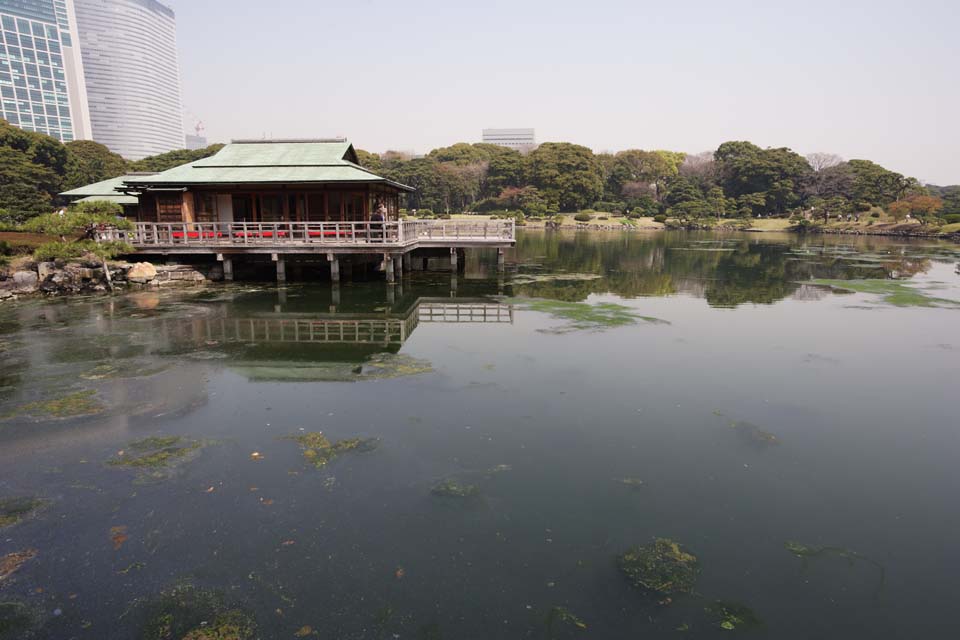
{"x": 281, "y": 268}
{"x": 453, "y": 259}
{"x": 388, "y": 264}
{"x": 501, "y": 259}
{"x": 408, "y": 261}
{"x": 334, "y": 267}
{"x": 227, "y": 267}
{"x": 398, "y": 266}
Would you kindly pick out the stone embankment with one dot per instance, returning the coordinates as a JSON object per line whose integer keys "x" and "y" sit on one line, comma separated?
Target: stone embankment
{"x": 57, "y": 278}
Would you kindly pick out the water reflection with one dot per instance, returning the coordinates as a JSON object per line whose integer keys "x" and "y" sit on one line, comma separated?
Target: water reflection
{"x": 726, "y": 271}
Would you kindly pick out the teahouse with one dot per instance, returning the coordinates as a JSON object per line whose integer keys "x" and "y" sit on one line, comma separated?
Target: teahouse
{"x": 295, "y": 200}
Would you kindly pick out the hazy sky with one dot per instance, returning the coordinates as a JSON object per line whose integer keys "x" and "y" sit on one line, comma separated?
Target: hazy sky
{"x": 864, "y": 79}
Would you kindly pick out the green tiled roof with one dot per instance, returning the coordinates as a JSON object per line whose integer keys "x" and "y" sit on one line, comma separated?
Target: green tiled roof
{"x": 104, "y": 188}
{"x": 118, "y": 198}
{"x": 293, "y": 162}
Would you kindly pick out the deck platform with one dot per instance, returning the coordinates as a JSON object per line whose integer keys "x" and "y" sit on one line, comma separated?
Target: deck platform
{"x": 239, "y": 238}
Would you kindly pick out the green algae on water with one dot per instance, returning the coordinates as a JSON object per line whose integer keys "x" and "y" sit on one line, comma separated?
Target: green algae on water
{"x": 186, "y": 612}
{"x": 15, "y": 620}
{"x": 892, "y": 292}
{"x": 661, "y": 568}
{"x": 754, "y": 435}
{"x": 582, "y": 316}
{"x": 450, "y": 488}
{"x": 808, "y": 552}
{"x": 74, "y": 405}
{"x": 560, "y": 617}
{"x": 319, "y": 451}
{"x": 15, "y": 510}
{"x": 733, "y": 615}
{"x": 157, "y": 457}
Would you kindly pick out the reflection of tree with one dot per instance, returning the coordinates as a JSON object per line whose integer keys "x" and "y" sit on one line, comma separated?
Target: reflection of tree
{"x": 725, "y": 270}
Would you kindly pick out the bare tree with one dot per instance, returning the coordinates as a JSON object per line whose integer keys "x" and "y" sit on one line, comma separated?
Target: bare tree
{"x": 820, "y": 161}
{"x": 700, "y": 168}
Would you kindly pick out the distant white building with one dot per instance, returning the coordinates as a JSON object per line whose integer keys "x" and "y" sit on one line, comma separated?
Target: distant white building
{"x": 196, "y": 142}
{"x": 522, "y": 140}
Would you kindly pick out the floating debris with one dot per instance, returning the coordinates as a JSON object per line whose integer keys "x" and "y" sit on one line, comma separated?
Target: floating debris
{"x": 632, "y": 483}
{"x": 75, "y": 405}
{"x": 188, "y": 613}
{"x": 733, "y": 615}
{"x": 561, "y": 617}
{"x": 661, "y": 568}
{"x": 136, "y": 566}
{"x": 450, "y": 488}
{"x": 157, "y": 457}
{"x": 15, "y": 510}
{"x": 304, "y": 631}
{"x": 118, "y": 535}
{"x": 11, "y": 563}
{"x": 582, "y": 316}
{"x": 319, "y": 451}
{"x": 892, "y": 292}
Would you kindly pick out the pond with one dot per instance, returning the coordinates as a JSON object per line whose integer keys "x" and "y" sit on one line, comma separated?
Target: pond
{"x": 677, "y": 435}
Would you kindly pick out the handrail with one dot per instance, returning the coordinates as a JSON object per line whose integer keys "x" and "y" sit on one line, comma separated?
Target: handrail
{"x": 253, "y": 234}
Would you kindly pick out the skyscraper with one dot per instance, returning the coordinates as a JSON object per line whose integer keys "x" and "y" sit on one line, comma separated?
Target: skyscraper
{"x": 129, "y": 52}
{"x": 41, "y": 76}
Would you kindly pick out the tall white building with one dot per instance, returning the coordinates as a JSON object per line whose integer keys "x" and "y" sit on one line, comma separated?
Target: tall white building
{"x": 522, "y": 140}
{"x": 41, "y": 75}
{"x": 129, "y": 50}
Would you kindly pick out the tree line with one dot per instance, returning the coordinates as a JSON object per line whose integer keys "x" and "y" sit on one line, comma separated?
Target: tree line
{"x": 35, "y": 168}
{"x": 739, "y": 179}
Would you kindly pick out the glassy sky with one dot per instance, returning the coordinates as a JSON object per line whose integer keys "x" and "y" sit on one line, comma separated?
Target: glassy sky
{"x": 864, "y": 79}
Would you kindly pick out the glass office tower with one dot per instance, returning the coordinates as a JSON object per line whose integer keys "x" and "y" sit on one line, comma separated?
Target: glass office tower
{"x": 42, "y": 85}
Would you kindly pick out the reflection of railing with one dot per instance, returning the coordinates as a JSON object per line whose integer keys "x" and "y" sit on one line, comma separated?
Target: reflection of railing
{"x": 477, "y": 312}
{"x": 334, "y": 328}
{"x": 308, "y": 234}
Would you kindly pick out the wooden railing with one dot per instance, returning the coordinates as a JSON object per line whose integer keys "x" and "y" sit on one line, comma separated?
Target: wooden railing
{"x": 260, "y": 234}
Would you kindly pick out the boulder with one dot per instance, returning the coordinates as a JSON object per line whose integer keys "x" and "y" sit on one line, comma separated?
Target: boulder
{"x": 44, "y": 269}
{"x": 25, "y": 281}
{"x": 142, "y": 273}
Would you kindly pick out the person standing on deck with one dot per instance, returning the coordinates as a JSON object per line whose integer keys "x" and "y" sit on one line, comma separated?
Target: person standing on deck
{"x": 378, "y": 218}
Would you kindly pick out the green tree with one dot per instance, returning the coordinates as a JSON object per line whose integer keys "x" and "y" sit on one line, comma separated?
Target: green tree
{"x": 369, "y": 160}
{"x": 779, "y": 175}
{"x": 877, "y": 186}
{"x": 89, "y": 162}
{"x": 173, "y": 159}
{"x": 26, "y": 188}
{"x": 568, "y": 175}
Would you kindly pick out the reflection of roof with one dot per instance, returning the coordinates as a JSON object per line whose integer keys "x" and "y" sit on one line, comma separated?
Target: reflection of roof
{"x": 104, "y": 190}
{"x": 245, "y": 162}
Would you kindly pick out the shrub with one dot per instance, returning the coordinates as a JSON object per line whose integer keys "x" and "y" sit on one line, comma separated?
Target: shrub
{"x": 610, "y": 207}
{"x": 424, "y": 213}
{"x": 443, "y": 216}
{"x": 74, "y": 222}
{"x": 864, "y": 206}
{"x": 874, "y": 214}
{"x": 65, "y": 251}
{"x": 603, "y": 218}
{"x": 60, "y": 250}
{"x": 583, "y": 216}
{"x": 660, "y": 218}
{"x": 952, "y": 218}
